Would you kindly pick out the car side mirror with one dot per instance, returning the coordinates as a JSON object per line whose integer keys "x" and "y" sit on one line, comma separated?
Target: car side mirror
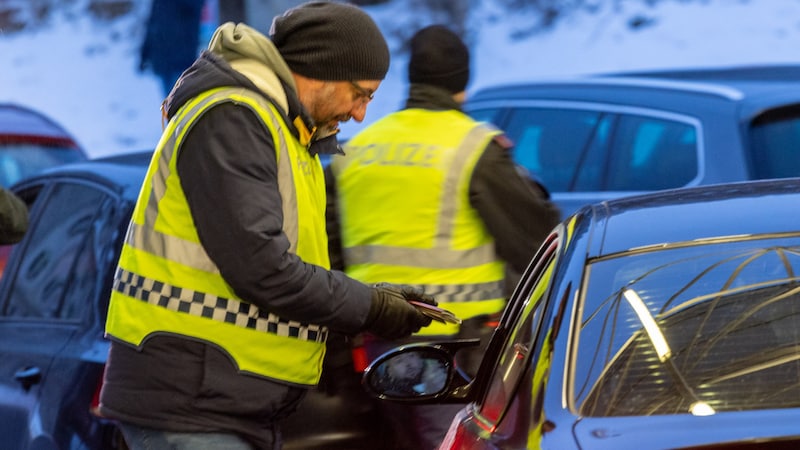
{"x": 418, "y": 373}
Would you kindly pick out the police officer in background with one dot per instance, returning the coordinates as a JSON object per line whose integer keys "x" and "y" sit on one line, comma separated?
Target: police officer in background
{"x": 222, "y": 299}
{"x": 429, "y": 197}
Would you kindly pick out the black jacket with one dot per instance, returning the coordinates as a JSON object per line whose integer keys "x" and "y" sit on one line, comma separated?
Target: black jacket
{"x": 228, "y": 171}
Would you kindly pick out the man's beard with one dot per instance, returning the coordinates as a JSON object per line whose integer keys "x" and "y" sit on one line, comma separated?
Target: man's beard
{"x": 326, "y": 130}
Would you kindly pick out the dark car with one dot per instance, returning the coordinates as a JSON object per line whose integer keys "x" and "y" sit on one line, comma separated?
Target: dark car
{"x": 53, "y": 304}
{"x": 592, "y": 138}
{"x": 667, "y": 320}
{"x": 31, "y": 142}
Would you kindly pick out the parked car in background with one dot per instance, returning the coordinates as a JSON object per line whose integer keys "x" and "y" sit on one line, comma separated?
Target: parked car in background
{"x": 53, "y": 305}
{"x": 660, "y": 321}
{"x": 594, "y": 138}
{"x": 31, "y": 142}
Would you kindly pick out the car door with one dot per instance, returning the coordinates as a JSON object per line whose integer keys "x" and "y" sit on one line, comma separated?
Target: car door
{"x": 502, "y": 415}
{"x": 51, "y": 316}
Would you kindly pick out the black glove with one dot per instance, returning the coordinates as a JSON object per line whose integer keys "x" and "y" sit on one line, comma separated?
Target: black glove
{"x": 391, "y": 316}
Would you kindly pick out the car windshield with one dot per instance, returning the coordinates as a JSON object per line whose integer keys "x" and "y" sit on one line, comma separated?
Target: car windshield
{"x": 700, "y": 328}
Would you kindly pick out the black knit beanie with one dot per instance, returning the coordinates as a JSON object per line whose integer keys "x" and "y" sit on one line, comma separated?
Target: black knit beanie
{"x": 331, "y": 41}
{"x": 440, "y": 58}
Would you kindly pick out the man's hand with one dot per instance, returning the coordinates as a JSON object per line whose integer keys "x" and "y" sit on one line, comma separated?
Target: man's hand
{"x": 391, "y": 316}
{"x": 406, "y": 292}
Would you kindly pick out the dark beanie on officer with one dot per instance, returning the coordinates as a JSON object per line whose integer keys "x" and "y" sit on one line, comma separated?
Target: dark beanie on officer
{"x": 331, "y": 41}
{"x": 439, "y": 58}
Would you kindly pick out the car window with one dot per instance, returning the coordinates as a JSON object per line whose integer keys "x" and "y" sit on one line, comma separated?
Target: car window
{"x": 515, "y": 354}
{"x": 21, "y": 159}
{"x": 63, "y": 252}
{"x": 651, "y": 153}
{"x": 577, "y": 150}
{"x": 692, "y": 329}
{"x": 552, "y": 143}
{"x": 774, "y": 140}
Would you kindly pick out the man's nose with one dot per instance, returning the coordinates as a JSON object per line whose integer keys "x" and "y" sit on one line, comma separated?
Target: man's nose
{"x": 359, "y": 112}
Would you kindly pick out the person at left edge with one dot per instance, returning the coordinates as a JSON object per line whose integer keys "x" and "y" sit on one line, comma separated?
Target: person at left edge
{"x": 13, "y": 218}
{"x": 222, "y": 298}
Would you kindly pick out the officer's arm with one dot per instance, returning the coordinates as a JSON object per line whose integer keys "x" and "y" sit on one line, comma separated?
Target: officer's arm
{"x": 517, "y": 216}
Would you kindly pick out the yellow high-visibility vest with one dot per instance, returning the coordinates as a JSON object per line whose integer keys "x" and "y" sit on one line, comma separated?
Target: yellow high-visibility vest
{"x": 166, "y": 283}
{"x": 405, "y": 213}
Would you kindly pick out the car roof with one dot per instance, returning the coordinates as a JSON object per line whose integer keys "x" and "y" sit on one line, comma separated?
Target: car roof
{"x": 758, "y": 72}
{"x": 123, "y": 172}
{"x": 751, "y": 88}
{"x": 690, "y": 215}
{"x": 20, "y": 120}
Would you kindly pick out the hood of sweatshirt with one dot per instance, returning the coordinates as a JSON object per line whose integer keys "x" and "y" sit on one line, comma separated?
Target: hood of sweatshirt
{"x": 240, "y": 56}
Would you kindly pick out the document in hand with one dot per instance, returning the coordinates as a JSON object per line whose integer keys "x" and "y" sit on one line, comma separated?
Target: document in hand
{"x": 435, "y": 313}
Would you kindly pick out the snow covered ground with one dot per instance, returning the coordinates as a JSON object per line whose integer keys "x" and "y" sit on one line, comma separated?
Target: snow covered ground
{"x": 83, "y": 73}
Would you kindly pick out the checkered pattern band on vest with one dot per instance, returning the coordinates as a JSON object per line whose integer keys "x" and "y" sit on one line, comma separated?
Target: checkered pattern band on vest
{"x": 457, "y": 293}
{"x": 212, "y": 307}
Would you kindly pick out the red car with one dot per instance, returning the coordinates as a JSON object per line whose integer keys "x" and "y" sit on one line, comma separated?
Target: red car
{"x": 31, "y": 142}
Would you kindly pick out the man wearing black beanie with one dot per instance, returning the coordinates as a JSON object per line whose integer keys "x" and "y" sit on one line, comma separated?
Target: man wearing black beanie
{"x": 223, "y": 298}
{"x": 429, "y": 197}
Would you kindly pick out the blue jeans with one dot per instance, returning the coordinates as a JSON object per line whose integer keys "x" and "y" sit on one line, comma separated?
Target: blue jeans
{"x": 141, "y": 438}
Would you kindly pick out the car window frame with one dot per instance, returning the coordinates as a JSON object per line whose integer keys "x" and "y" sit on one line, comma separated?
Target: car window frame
{"x": 513, "y": 319}
{"x": 37, "y": 192}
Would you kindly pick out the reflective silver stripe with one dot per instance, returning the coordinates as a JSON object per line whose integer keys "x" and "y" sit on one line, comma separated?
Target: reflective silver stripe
{"x": 286, "y": 188}
{"x": 471, "y": 143}
{"x": 221, "y": 309}
{"x": 454, "y": 293}
{"x": 181, "y": 251}
{"x": 440, "y": 255}
{"x": 158, "y": 184}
